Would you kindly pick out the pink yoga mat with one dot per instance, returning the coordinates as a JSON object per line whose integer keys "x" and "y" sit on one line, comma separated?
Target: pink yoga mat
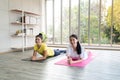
{"x": 79, "y": 64}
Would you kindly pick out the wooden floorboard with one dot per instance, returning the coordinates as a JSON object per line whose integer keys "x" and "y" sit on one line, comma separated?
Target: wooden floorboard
{"x": 105, "y": 66}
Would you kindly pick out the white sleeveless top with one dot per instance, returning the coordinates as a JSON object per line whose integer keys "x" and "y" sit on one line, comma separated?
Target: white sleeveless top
{"x": 73, "y": 54}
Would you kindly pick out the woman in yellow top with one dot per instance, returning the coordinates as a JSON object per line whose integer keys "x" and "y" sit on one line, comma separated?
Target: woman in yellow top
{"x": 42, "y": 49}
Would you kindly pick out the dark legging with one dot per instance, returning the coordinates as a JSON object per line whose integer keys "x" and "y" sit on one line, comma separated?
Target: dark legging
{"x": 58, "y": 52}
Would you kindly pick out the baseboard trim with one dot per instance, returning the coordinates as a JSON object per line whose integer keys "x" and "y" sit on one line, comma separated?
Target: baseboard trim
{"x": 16, "y": 50}
{"x": 90, "y": 47}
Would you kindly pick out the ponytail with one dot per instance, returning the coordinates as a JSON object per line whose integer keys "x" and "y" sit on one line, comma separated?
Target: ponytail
{"x": 78, "y": 48}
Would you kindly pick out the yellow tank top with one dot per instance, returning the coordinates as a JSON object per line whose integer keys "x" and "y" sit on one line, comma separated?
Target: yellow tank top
{"x": 42, "y": 48}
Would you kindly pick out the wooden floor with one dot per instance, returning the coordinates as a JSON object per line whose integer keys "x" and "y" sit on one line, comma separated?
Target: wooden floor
{"x": 105, "y": 66}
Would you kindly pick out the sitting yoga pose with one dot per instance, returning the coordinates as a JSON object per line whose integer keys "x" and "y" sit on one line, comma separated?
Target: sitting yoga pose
{"x": 75, "y": 52}
{"x": 41, "y": 48}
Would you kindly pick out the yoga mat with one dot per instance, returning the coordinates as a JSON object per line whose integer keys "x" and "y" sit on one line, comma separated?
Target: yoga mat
{"x": 79, "y": 64}
{"x": 29, "y": 59}
{"x": 48, "y": 59}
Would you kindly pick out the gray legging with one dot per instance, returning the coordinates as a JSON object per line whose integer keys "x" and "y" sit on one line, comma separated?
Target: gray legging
{"x": 58, "y": 52}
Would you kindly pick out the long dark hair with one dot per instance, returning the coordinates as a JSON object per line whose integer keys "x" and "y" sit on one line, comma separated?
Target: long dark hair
{"x": 78, "y": 48}
{"x": 39, "y": 35}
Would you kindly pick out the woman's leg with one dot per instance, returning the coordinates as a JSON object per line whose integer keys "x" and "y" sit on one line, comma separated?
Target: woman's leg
{"x": 58, "y": 52}
{"x": 62, "y": 51}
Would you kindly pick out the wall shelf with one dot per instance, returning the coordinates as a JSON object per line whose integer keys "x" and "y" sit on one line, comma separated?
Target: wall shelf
{"x": 25, "y": 12}
{"x": 22, "y": 35}
{"x": 19, "y": 23}
{"x": 16, "y": 23}
{"x": 27, "y": 21}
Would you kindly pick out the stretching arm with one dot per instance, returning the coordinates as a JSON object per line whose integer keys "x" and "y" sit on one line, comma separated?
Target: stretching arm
{"x": 70, "y": 61}
{"x": 44, "y": 56}
{"x": 34, "y": 57}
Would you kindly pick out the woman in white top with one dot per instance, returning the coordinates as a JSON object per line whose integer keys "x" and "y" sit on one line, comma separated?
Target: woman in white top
{"x": 75, "y": 52}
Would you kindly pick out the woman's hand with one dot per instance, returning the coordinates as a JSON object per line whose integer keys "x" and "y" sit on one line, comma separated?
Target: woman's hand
{"x": 70, "y": 61}
{"x": 34, "y": 55}
{"x": 33, "y": 58}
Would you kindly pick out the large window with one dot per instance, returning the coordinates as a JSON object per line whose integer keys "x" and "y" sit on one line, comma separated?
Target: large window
{"x": 49, "y": 21}
{"x": 105, "y": 28}
{"x": 84, "y": 21}
{"x": 115, "y": 22}
{"x": 74, "y": 17}
{"x": 96, "y": 22}
{"x": 65, "y": 21}
{"x": 57, "y": 21}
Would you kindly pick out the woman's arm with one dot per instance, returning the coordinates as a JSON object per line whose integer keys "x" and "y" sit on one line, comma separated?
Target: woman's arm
{"x": 76, "y": 61}
{"x": 41, "y": 58}
{"x": 34, "y": 55}
{"x": 70, "y": 61}
{"x": 44, "y": 56}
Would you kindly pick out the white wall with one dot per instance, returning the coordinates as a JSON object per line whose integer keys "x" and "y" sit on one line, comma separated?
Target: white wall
{"x": 7, "y": 29}
{"x": 4, "y": 26}
{"x": 43, "y": 16}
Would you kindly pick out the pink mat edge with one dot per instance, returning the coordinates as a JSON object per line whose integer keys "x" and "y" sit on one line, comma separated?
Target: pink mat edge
{"x": 80, "y": 64}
